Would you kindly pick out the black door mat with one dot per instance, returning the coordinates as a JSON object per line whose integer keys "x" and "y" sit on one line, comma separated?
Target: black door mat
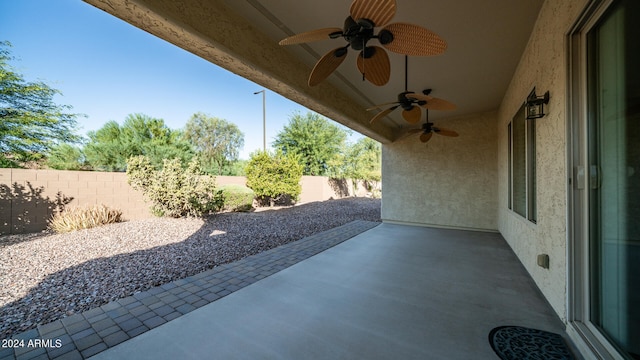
{"x": 521, "y": 343}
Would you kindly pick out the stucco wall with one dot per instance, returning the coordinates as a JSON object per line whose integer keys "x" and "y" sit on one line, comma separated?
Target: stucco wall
{"x": 449, "y": 182}
{"x": 543, "y": 65}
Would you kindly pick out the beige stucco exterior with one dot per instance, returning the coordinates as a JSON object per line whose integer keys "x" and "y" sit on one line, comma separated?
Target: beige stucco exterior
{"x": 463, "y": 182}
{"x": 449, "y": 182}
{"x": 544, "y": 65}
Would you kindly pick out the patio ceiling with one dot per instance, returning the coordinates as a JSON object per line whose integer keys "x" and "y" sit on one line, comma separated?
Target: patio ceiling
{"x": 485, "y": 41}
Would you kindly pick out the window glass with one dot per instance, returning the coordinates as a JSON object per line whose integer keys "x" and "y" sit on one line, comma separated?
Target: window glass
{"x": 522, "y": 165}
{"x": 614, "y": 175}
{"x": 519, "y": 179}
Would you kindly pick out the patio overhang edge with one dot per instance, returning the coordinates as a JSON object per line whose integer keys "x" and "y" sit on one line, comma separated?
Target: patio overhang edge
{"x": 214, "y": 32}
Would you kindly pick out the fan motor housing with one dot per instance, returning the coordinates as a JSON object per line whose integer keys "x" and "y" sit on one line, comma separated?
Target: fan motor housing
{"x": 405, "y": 102}
{"x": 358, "y": 33}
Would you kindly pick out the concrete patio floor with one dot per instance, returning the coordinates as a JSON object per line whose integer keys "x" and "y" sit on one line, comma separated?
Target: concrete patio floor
{"x": 392, "y": 292}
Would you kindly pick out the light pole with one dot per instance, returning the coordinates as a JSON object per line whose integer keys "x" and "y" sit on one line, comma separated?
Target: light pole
{"x": 264, "y": 119}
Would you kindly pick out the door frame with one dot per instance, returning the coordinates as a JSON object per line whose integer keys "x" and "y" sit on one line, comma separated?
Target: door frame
{"x": 585, "y": 335}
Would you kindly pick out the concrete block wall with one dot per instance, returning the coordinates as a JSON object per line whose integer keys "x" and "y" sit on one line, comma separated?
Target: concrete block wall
{"x": 321, "y": 188}
{"x": 28, "y": 198}
{"x": 314, "y": 188}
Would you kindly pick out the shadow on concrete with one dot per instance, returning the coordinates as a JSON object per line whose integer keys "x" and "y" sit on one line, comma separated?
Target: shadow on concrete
{"x": 24, "y": 209}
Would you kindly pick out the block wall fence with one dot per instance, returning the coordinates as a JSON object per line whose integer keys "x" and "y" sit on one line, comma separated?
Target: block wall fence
{"x": 28, "y": 198}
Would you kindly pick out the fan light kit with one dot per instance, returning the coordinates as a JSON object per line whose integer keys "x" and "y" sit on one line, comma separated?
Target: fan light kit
{"x": 358, "y": 30}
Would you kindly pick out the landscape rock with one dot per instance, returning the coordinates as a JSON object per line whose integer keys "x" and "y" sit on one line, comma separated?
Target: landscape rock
{"x": 46, "y": 276}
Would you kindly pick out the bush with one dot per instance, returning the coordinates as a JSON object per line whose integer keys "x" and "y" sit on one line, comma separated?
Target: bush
{"x": 275, "y": 179}
{"x": 174, "y": 191}
{"x": 84, "y": 218}
{"x": 237, "y": 197}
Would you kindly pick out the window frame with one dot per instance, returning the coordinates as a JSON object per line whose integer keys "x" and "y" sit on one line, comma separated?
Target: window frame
{"x": 529, "y": 180}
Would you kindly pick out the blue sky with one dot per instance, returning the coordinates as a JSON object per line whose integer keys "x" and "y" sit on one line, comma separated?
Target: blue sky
{"x": 107, "y": 69}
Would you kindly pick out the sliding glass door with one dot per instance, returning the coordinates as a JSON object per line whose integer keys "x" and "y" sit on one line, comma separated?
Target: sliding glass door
{"x": 613, "y": 176}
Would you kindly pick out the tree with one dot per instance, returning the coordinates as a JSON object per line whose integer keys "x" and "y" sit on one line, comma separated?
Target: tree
{"x": 30, "y": 122}
{"x": 111, "y": 146}
{"x": 217, "y": 141}
{"x": 363, "y": 160}
{"x": 314, "y": 139}
{"x": 235, "y": 168}
{"x": 66, "y": 157}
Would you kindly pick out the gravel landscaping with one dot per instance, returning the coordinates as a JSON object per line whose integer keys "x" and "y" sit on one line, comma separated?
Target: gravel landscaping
{"x": 45, "y": 277}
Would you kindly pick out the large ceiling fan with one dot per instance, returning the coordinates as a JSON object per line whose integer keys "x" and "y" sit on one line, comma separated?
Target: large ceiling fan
{"x": 359, "y": 28}
{"x": 411, "y": 102}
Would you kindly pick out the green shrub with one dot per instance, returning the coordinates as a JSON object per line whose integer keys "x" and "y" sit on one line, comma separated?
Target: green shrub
{"x": 84, "y": 218}
{"x": 275, "y": 178}
{"x": 237, "y": 197}
{"x": 174, "y": 191}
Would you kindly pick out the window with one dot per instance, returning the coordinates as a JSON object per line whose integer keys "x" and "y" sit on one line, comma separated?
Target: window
{"x": 522, "y": 166}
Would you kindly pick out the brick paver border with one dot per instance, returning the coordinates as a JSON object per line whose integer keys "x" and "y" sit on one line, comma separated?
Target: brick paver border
{"x": 82, "y": 335}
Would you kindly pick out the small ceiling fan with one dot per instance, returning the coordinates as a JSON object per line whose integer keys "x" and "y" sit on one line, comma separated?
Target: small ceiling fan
{"x": 358, "y": 29}
{"x": 410, "y": 102}
{"x": 428, "y": 129}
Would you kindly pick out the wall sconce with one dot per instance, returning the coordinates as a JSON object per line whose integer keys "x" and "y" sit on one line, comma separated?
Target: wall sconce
{"x": 535, "y": 104}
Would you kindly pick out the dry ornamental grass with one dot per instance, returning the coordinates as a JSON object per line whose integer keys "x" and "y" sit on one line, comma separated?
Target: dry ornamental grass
{"x": 84, "y": 218}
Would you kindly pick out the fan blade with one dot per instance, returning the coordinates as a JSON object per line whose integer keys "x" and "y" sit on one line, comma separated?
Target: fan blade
{"x": 309, "y": 36}
{"x": 414, "y": 40}
{"x": 380, "y": 12}
{"x": 381, "y": 105}
{"x": 445, "y": 132}
{"x": 426, "y": 137}
{"x": 382, "y": 114}
{"x": 418, "y": 97}
{"x": 375, "y": 68}
{"x": 326, "y": 65}
{"x": 438, "y": 104}
{"x": 412, "y": 116}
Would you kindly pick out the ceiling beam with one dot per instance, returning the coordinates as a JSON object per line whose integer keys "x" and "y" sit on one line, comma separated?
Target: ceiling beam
{"x": 211, "y": 30}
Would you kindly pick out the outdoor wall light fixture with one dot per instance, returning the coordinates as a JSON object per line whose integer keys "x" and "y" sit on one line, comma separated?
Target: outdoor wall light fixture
{"x": 535, "y": 104}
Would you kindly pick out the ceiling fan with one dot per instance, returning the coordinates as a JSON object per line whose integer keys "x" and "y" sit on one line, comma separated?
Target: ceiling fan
{"x": 411, "y": 102}
{"x": 358, "y": 29}
{"x": 428, "y": 129}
